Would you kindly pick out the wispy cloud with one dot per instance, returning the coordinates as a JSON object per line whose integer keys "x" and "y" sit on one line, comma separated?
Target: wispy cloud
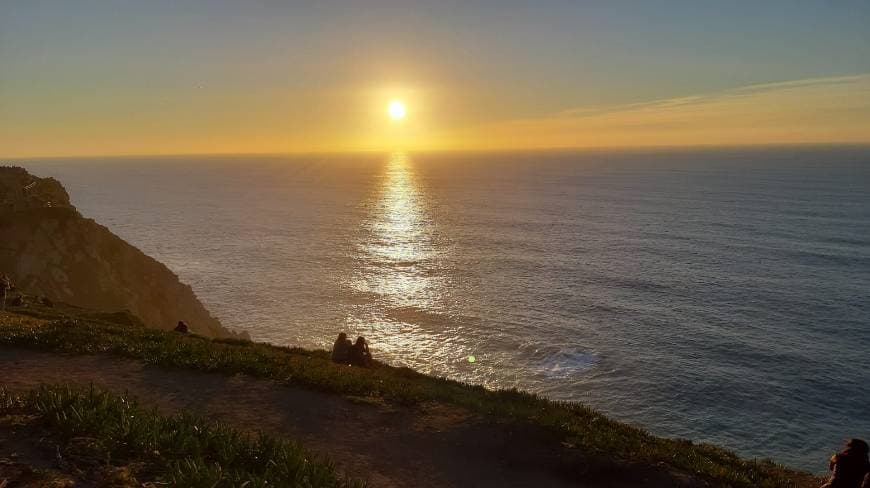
{"x": 835, "y": 109}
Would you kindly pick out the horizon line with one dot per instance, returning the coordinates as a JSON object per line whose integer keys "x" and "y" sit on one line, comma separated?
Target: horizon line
{"x": 5, "y": 161}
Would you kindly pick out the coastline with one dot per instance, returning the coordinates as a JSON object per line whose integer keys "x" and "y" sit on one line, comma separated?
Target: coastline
{"x": 588, "y": 439}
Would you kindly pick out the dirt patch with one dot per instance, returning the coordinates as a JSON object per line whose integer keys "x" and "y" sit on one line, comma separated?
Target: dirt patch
{"x": 437, "y": 417}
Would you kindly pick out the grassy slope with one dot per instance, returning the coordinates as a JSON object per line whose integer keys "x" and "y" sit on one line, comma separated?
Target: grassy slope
{"x": 77, "y": 331}
{"x": 97, "y": 428}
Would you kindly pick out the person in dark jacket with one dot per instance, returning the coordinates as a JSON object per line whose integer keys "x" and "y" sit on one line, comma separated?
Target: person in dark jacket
{"x": 359, "y": 353}
{"x": 341, "y": 349}
{"x": 850, "y": 467}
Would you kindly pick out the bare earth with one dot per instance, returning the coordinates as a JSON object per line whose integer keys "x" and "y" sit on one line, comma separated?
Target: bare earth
{"x": 432, "y": 445}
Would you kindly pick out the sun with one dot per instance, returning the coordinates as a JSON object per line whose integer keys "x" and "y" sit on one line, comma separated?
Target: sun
{"x": 396, "y": 109}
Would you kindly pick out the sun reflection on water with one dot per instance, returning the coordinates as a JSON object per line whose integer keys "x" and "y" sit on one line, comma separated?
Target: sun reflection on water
{"x": 400, "y": 280}
{"x": 408, "y": 295}
{"x": 398, "y": 252}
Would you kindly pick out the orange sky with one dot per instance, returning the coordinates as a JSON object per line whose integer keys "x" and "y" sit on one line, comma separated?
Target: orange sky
{"x": 827, "y": 110}
{"x": 163, "y": 78}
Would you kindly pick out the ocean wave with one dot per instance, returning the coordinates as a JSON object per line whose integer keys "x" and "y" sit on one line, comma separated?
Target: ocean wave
{"x": 557, "y": 362}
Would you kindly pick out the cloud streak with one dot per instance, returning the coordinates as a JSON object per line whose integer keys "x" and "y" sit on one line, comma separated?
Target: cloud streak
{"x": 818, "y": 110}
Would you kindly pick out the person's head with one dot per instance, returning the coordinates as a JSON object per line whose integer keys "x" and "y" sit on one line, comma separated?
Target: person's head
{"x": 181, "y": 323}
{"x": 361, "y": 341}
{"x": 341, "y": 337}
{"x": 856, "y": 447}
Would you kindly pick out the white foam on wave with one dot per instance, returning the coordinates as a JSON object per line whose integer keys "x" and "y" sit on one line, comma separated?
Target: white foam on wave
{"x": 558, "y": 362}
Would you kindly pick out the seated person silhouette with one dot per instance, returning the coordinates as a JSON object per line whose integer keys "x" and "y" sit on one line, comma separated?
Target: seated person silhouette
{"x": 341, "y": 349}
{"x": 359, "y": 353}
{"x": 850, "y": 468}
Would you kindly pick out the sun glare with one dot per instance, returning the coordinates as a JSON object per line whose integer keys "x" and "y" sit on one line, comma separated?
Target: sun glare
{"x": 396, "y": 110}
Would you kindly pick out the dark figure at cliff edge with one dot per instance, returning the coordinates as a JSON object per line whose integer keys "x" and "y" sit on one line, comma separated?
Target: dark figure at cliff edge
{"x": 341, "y": 349}
{"x": 850, "y": 467}
{"x": 182, "y": 327}
{"x": 5, "y": 286}
{"x": 359, "y": 353}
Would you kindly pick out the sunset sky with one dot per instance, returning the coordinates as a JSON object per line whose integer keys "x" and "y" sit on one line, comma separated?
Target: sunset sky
{"x": 169, "y": 77}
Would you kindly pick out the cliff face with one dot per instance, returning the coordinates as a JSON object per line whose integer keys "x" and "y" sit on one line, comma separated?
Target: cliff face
{"x": 47, "y": 247}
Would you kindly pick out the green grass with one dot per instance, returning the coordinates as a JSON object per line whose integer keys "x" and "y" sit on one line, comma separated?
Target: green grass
{"x": 120, "y": 335}
{"x": 182, "y": 450}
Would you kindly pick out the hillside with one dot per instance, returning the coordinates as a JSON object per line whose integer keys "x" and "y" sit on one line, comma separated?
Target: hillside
{"x": 391, "y": 426}
{"x": 48, "y": 248}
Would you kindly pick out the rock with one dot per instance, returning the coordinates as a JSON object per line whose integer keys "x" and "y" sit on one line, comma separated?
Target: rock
{"x": 19, "y": 190}
{"x": 48, "y": 248}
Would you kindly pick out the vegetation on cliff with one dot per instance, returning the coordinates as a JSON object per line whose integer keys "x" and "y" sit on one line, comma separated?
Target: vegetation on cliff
{"x": 78, "y": 331}
{"x": 111, "y": 441}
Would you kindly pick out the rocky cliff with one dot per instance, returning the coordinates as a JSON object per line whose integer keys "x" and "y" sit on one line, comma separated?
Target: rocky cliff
{"x": 48, "y": 247}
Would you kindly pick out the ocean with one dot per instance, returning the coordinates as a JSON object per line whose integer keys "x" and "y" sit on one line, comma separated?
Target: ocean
{"x": 718, "y": 295}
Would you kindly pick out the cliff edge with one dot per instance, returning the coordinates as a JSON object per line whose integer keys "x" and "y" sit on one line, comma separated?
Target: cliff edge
{"x": 48, "y": 247}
